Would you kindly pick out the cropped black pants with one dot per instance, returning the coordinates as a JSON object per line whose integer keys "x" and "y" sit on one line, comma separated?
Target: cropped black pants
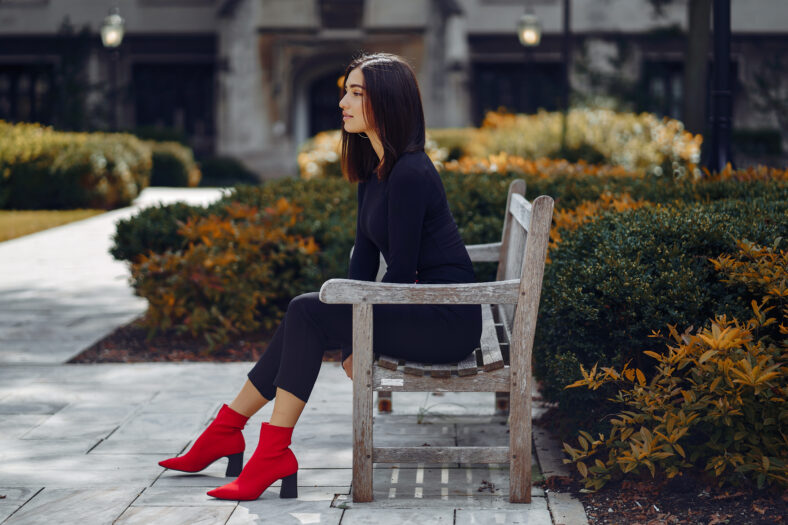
{"x": 424, "y": 333}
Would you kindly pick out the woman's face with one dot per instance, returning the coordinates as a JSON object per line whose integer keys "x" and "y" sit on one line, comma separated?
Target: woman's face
{"x": 352, "y": 104}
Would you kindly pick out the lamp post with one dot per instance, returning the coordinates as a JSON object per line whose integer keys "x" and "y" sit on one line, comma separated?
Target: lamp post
{"x": 720, "y": 153}
{"x": 529, "y": 31}
{"x": 111, "y": 37}
{"x": 566, "y": 51}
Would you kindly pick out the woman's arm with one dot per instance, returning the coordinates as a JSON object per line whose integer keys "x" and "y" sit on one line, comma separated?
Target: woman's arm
{"x": 407, "y": 206}
{"x": 366, "y": 257}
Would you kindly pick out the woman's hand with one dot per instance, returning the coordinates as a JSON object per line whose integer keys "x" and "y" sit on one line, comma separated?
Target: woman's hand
{"x": 347, "y": 364}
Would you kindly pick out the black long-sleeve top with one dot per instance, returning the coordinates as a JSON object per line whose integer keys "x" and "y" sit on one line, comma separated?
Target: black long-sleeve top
{"x": 406, "y": 217}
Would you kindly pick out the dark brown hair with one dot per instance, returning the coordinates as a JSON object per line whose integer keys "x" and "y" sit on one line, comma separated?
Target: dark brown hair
{"x": 392, "y": 104}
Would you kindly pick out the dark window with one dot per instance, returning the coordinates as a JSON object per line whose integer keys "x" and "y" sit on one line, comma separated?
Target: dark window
{"x": 324, "y": 111}
{"x": 26, "y": 93}
{"x": 663, "y": 86}
{"x": 177, "y": 96}
{"x": 344, "y": 14}
{"x": 522, "y": 87}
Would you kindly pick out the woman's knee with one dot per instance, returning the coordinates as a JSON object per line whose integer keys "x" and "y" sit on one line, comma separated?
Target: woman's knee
{"x": 304, "y": 303}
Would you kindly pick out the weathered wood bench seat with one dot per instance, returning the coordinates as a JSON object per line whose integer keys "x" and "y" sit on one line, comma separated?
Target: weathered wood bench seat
{"x": 501, "y": 363}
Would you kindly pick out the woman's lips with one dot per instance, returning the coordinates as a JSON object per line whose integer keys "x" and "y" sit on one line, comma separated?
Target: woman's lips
{"x": 345, "y": 117}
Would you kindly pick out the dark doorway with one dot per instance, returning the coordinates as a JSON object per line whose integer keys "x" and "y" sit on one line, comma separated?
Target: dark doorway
{"x": 324, "y": 97}
{"x": 521, "y": 87}
{"x": 177, "y": 96}
{"x": 26, "y": 93}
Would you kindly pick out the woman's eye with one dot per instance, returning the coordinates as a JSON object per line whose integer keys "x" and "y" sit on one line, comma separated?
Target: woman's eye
{"x": 357, "y": 94}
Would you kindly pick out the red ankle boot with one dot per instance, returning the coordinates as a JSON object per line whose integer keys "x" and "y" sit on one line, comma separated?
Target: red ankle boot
{"x": 222, "y": 438}
{"x": 272, "y": 460}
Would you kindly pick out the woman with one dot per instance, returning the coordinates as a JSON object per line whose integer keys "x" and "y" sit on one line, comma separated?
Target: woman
{"x": 403, "y": 214}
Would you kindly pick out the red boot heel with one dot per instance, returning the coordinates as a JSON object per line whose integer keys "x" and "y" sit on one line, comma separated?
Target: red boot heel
{"x": 222, "y": 438}
{"x": 235, "y": 464}
{"x": 272, "y": 460}
{"x": 289, "y": 486}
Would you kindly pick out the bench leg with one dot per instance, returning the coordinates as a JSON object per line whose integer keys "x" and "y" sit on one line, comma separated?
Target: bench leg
{"x": 502, "y": 403}
{"x": 384, "y": 402}
{"x": 362, "y": 403}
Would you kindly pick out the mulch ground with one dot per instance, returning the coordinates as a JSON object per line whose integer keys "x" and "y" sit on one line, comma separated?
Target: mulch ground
{"x": 684, "y": 500}
{"x": 130, "y": 344}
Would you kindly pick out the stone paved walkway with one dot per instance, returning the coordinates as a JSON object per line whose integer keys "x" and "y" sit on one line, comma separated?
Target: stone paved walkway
{"x": 80, "y": 443}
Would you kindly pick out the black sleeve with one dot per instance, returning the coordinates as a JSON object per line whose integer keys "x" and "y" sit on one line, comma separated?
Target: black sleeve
{"x": 365, "y": 260}
{"x": 407, "y": 206}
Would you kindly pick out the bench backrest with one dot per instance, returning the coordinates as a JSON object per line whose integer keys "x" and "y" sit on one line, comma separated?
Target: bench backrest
{"x": 513, "y": 238}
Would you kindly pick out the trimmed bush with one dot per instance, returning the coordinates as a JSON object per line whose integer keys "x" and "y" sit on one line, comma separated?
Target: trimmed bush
{"x": 154, "y": 229}
{"x": 225, "y": 171}
{"x": 477, "y": 199}
{"x": 613, "y": 281}
{"x": 45, "y": 169}
{"x": 716, "y": 400}
{"x": 173, "y": 165}
{"x": 233, "y": 277}
{"x": 329, "y": 216}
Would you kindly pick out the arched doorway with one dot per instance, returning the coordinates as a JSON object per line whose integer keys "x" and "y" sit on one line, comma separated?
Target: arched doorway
{"x": 324, "y": 95}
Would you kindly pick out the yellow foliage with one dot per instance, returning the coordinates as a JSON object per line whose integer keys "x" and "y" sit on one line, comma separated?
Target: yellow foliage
{"x": 634, "y": 141}
{"x": 319, "y": 156}
{"x": 721, "y": 391}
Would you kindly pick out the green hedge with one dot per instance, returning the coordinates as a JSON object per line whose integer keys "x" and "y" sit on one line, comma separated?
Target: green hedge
{"x": 173, "y": 165}
{"x": 671, "y": 239}
{"x": 225, "y": 171}
{"x": 613, "y": 281}
{"x": 45, "y": 169}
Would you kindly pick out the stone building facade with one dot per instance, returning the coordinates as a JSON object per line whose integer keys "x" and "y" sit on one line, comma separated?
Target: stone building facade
{"x": 253, "y": 79}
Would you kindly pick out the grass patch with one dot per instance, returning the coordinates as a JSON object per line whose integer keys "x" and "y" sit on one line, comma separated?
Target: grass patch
{"x": 16, "y": 223}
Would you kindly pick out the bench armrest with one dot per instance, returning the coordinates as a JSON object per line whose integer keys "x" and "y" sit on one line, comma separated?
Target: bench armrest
{"x": 484, "y": 252}
{"x": 349, "y": 291}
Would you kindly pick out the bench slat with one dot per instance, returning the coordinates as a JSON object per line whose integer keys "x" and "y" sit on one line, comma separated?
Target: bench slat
{"x": 388, "y": 362}
{"x": 413, "y": 368}
{"x": 467, "y": 367}
{"x": 521, "y": 210}
{"x": 491, "y": 351}
{"x": 390, "y": 381}
{"x": 441, "y": 370}
{"x": 484, "y": 252}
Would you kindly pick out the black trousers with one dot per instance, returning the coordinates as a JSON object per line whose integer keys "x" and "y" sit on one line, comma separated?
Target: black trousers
{"x": 424, "y": 333}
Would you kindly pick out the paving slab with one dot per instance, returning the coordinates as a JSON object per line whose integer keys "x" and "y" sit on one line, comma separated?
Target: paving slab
{"x": 202, "y": 515}
{"x": 14, "y": 497}
{"x": 270, "y": 509}
{"x": 368, "y": 516}
{"x": 68, "y": 505}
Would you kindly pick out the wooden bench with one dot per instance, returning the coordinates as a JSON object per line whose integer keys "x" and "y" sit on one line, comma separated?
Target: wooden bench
{"x": 502, "y": 363}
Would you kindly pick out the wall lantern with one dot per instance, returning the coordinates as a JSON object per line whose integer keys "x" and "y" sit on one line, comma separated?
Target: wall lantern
{"x": 529, "y": 29}
{"x": 112, "y": 29}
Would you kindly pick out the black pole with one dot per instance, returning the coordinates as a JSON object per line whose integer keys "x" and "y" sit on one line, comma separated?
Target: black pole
{"x": 565, "y": 90}
{"x": 114, "y": 89}
{"x": 721, "y": 97}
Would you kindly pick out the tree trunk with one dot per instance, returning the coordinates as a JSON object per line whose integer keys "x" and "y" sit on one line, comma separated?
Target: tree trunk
{"x": 696, "y": 65}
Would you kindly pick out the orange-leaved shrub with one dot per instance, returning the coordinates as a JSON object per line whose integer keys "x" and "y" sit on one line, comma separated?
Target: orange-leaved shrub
{"x": 235, "y": 275}
{"x": 717, "y": 399}
{"x": 571, "y": 219}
